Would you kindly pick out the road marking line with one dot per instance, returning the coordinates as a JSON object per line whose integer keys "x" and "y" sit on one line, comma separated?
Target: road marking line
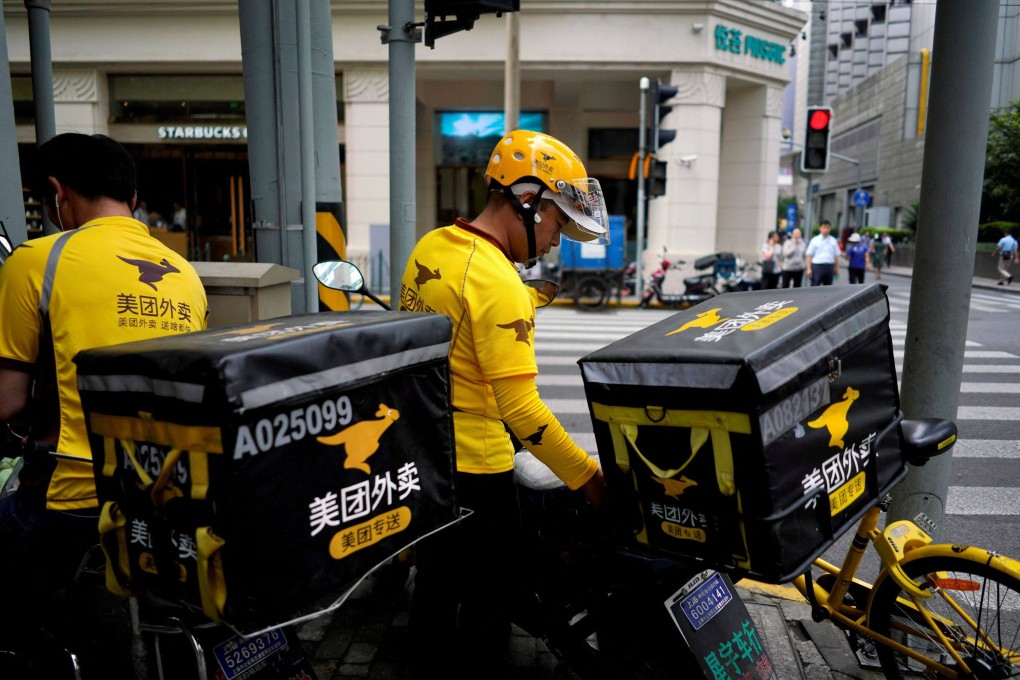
{"x": 998, "y": 501}
{"x": 987, "y": 413}
{"x": 987, "y": 448}
{"x": 990, "y": 388}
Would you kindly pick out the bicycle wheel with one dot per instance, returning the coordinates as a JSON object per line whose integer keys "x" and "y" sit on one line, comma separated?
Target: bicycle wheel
{"x": 591, "y": 293}
{"x": 976, "y": 607}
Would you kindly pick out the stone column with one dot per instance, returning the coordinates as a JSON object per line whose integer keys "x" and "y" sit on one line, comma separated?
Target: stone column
{"x": 748, "y": 168}
{"x": 684, "y": 220}
{"x": 81, "y": 101}
{"x": 367, "y": 140}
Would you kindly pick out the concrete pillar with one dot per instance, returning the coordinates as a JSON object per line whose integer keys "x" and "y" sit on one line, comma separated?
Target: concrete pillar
{"x": 684, "y": 220}
{"x": 748, "y": 165}
{"x": 81, "y": 101}
{"x": 367, "y": 139}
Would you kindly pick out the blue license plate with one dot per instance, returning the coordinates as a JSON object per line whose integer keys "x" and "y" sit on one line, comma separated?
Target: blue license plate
{"x": 706, "y": 601}
{"x": 238, "y": 654}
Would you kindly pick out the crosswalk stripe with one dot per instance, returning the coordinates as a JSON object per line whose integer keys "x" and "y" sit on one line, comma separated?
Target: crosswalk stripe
{"x": 580, "y": 347}
{"x": 987, "y": 448}
{"x": 973, "y": 354}
{"x": 990, "y": 388}
{"x": 556, "y": 360}
{"x": 987, "y": 413}
{"x": 567, "y": 406}
{"x": 983, "y": 500}
{"x": 990, "y": 368}
{"x": 558, "y": 380}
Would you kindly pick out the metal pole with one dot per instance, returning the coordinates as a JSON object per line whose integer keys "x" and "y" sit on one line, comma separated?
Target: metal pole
{"x": 307, "y": 136}
{"x": 401, "y": 38}
{"x": 257, "y": 49}
{"x": 42, "y": 79}
{"x": 951, "y": 178}
{"x": 860, "y": 208}
{"x": 642, "y": 201}
{"x": 331, "y": 239}
{"x": 858, "y": 211}
{"x": 512, "y": 74}
{"x": 809, "y": 209}
{"x": 12, "y": 203}
{"x": 42, "y": 68}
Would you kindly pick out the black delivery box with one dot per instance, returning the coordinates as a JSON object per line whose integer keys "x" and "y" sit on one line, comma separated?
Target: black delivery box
{"x": 260, "y": 470}
{"x": 750, "y": 430}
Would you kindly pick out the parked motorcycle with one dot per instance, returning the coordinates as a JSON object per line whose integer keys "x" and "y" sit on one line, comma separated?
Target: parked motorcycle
{"x": 697, "y": 288}
{"x": 591, "y": 594}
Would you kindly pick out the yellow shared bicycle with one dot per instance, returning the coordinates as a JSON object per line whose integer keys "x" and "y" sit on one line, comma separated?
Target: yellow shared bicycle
{"x": 940, "y": 611}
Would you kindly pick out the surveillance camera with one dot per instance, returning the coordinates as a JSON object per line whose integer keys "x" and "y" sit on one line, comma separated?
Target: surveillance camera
{"x": 688, "y": 159}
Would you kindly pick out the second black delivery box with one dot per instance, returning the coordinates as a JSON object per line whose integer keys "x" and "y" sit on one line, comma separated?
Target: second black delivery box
{"x": 259, "y": 470}
{"x": 749, "y": 431}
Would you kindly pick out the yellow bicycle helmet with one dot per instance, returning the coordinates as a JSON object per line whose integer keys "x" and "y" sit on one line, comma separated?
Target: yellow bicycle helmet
{"x": 526, "y": 160}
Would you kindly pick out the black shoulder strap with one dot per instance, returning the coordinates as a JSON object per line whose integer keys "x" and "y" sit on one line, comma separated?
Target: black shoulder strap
{"x": 44, "y": 408}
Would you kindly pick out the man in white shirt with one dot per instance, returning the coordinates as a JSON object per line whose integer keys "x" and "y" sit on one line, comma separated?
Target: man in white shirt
{"x": 822, "y": 256}
{"x": 1006, "y": 252}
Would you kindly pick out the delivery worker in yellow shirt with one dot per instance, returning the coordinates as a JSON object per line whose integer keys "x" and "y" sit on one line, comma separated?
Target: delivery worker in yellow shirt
{"x": 539, "y": 191}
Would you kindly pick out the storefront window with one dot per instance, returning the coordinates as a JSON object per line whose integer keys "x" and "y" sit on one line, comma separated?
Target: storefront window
{"x": 157, "y": 98}
{"x": 466, "y": 138}
{"x": 177, "y": 98}
{"x": 24, "y": 103}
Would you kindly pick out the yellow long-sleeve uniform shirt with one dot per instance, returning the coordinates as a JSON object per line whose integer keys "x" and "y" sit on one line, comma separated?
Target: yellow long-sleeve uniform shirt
{"x": 459, "y": 272}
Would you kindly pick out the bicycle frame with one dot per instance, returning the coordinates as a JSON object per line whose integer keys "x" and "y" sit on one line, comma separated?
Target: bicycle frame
{"x": 829, "y": 604}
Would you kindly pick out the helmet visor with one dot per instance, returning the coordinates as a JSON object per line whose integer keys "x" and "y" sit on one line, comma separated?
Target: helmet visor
{"x": 584, "y": 204}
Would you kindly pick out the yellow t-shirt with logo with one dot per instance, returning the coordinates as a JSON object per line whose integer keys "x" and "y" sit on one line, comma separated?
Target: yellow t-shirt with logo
{"x": 113, "y": 283}
{"x": 459, "y": 272}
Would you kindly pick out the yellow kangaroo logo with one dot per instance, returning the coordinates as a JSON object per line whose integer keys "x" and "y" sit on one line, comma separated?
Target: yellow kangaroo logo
{"x": 834, "y": 418}
{"x": 361, "y": 440}
{"x": 675, "y": 487}
{"x": 703, "y": 320}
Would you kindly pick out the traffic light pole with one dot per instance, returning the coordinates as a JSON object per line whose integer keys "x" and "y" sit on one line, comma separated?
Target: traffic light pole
{"x": 951, "y": 178}
{"x": 857, "y": 162}
{"x": 642, "y": 200}
{"x": 809, "y": 208}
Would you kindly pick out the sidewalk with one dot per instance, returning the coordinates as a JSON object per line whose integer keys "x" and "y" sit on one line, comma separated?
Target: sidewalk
{"x": 364, "y": 639}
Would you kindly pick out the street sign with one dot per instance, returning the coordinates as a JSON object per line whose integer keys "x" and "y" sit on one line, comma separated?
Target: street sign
{"x": 791, "y": 217}
{"x": 861, "y": 198}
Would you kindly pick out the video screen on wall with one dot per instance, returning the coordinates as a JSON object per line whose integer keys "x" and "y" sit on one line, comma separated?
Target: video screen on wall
{"x": 467, "y": 137}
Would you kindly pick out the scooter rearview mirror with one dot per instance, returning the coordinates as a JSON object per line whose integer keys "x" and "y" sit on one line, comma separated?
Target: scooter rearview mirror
{"x": 5, "y": 243}
{"x": 339, "y": 275}
{"x": 542, "y": 290}
{"x": 345, "y": 276}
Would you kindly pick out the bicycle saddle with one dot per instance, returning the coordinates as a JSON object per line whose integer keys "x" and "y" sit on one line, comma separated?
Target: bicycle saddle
{"x": 925, "y": 438}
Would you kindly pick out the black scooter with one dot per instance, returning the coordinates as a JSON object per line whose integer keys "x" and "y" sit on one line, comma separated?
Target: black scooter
{"x": 697, "y": 288}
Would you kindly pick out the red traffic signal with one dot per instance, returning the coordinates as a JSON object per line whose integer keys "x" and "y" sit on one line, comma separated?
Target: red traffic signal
{"x": 819, "y": 119}
{"x": 815, "y": 157}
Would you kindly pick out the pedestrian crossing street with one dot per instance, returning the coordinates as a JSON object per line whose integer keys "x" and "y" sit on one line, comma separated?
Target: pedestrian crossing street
{"x": 985, "y": 480}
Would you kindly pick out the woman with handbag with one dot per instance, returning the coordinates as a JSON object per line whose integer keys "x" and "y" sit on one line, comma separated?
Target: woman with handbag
{"x": 771, "y": 256}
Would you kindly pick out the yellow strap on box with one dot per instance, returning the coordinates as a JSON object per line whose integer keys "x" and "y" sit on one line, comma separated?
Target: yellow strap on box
{"x": 198, "y": 441}
{"x": 145, "y": 429}
{"x": 113, "y": 539}
{"x": 212, "y": 586}
{"x": 623, "y": 423}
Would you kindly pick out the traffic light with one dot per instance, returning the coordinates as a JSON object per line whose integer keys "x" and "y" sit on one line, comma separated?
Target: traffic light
{"x": 816, "y": 140}
{"x": 463, "y": 12}
{"x": 661, "y": 94}
{"x": 657, "y": 179}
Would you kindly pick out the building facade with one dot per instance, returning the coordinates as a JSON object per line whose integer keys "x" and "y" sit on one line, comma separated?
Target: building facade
{"x": 870, "y": 60}
{"x": 165, "y": 78}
